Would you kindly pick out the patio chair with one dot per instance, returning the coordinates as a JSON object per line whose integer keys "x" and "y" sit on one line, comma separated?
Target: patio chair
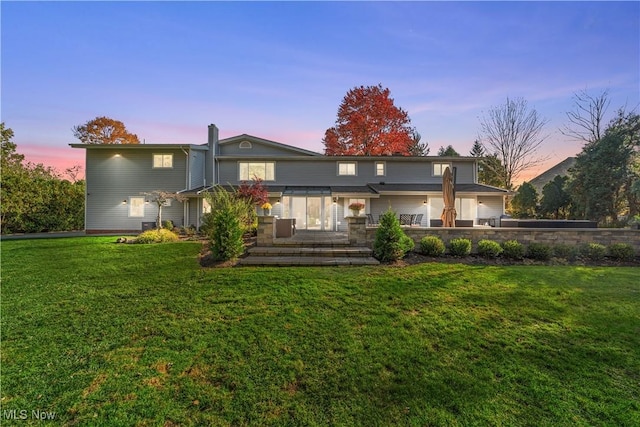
{"x": 405, "y": 219}
{"x": 417, "y": 220}
{"x": 372, "y": 221}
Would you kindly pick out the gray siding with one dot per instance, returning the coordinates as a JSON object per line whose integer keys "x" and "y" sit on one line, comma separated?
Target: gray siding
{"x": 111, "y": 179}
{"x": 490, "y": 207}
{"x": 400, "y": 205}
{"x": 197, "y": 175}
{"x": 257, "y": 149}
{"x": 325, "y": 172}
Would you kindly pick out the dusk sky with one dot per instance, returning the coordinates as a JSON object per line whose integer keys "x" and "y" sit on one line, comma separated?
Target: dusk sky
{"x": 280, "y": 70}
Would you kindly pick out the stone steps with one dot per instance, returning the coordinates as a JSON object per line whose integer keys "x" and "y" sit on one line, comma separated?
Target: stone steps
{"x": 291, "y": 255}
{"x": 292, "y": 261}
{"x": 309, "y": 248}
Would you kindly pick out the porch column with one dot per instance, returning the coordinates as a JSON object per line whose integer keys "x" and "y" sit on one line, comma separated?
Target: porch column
{"x": 357, "y": 230}
{"x": 266, "y": 230}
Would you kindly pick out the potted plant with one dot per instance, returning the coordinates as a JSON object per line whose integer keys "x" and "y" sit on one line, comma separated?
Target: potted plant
{"x": 356, "y": 207}
{"x": 266, "y": 207}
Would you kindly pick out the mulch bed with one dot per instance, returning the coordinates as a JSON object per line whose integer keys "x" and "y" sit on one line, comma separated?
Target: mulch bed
{"x": 413, "y": 258}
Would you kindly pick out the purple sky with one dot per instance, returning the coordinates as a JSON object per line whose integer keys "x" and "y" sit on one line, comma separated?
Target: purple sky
{"x": 280, "y": 70}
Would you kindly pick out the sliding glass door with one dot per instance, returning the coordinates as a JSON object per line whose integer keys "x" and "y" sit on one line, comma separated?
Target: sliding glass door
{"x": 310, "y": 212}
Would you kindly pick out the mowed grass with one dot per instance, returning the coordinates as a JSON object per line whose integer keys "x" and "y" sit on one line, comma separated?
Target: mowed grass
{"x": 108, "y": 334}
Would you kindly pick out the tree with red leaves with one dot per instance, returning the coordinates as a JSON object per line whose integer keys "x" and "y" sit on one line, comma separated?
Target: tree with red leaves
{"x": 369, "y": 124}
{"x": 255, "y": 192}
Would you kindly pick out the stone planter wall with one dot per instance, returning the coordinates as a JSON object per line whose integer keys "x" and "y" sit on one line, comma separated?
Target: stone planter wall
{"x": 266, "y": 230}
{"x": 358, "y": 231}
{"x": 551, "y": 236}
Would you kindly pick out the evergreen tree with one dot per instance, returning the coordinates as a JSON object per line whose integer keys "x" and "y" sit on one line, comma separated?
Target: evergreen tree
{"x": 391, "y": 243}
{"x": 477, "y": 150}
{"x": 448, "y": 152}
{"x": 555, "y": 201}
{"x": 523, "y": 204}
{"x": 604, "y": 178}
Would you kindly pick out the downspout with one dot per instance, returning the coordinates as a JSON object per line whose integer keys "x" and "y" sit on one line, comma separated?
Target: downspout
{"x": 185, "y": 206}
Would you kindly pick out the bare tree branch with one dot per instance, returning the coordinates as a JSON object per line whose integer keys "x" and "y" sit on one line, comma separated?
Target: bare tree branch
{"x": 514, "y": 134}
{"x": 586, "y": 119}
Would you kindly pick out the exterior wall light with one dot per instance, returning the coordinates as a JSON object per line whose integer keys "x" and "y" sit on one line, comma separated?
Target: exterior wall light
{"x": 124, "y": 202}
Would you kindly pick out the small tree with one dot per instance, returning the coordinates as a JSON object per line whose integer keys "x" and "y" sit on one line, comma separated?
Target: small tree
{"x": 448, "y": 152}
{"x": 104, "y": 130}
{"x": 162, "y": 198}
{"x": 391, "y": 243}
{"x": 418, "y": 148}
{"x": 226, "y": 223}
{"x": 524, "y": 203}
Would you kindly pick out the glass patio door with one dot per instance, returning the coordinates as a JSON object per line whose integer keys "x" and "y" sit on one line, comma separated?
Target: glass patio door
{"x": 310, "y": 212}
{"x": 314, "y": 213}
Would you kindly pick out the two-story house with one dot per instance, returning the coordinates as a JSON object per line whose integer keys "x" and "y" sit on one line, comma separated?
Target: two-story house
{"x": 313, "y": 188}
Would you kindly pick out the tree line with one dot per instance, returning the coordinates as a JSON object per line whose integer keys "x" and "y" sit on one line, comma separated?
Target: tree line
{"x": 36, "y": 198}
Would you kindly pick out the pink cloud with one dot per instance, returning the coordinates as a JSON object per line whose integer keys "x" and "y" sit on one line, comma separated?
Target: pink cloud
{"x": 58, "y": 158}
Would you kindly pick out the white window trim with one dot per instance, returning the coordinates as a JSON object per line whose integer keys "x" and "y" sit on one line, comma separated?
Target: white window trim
{"x": 245, "y": 145}
{"x": 443, "y": 165}
{"x": 139, "y": 205}
{"x": 241, "y": 178}
{"x": 355, "y": 168}
{"x": 384, "y": 168}
{"x": 153, "y": 159}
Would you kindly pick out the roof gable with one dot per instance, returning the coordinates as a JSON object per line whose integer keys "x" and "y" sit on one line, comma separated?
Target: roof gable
{"x": 248, "y": 145}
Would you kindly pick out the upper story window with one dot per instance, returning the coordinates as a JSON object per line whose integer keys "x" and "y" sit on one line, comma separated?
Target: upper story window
{"x": 245, "y": 144}
{"x": 381, "y": 169}
{"x": 265, "y": 171}
{"x": 347, "y": 168}
{"x": 438, "y": 168}
{"x": 162, "y": 161}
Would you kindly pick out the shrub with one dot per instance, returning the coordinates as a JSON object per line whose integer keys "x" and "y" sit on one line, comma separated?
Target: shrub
{"x": 513, "y": 249}
{"x": 460, "y": 247}
{"x": 432, "y": 246}
{"x": 539, "y": 251}
{"x": 622, "y": 252}
{"x": 225, "y": 225}
{"x": 168, "y": 224}
{"x": 593, "y": 251}
{"x": 157, "y": 236}
{"x": 489, "y": 248}
{"x": 391, "y": 243}
{"x": 562, "y": 250}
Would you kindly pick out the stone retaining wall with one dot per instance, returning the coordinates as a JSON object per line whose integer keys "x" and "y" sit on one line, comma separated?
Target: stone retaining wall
{"x": 551, "y": 236}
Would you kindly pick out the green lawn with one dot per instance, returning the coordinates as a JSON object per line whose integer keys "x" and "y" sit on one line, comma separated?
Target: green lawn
{"x": 107, "y": 334}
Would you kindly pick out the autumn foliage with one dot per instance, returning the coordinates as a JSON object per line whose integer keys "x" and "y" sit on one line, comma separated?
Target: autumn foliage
{"x": 369, "y": 124}
{"x": 255, "y": 191}
{"x": 103, "y": 130}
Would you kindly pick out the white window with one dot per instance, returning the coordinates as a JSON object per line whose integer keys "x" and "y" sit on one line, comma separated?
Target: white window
{"x": 438, "y": 168}
{"x": 380, "y": 169}
{"x": 162, "y": 161}
{"x": 206, "y": 206}
{"x": 347, "y": 168}
{"x": 245, "y": 145}
{"x": 260, "y": 170}
{"x": 136, "y": 207}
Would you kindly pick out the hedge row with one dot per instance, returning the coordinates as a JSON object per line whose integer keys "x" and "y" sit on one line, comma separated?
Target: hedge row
{"x": 512, "y": 249}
